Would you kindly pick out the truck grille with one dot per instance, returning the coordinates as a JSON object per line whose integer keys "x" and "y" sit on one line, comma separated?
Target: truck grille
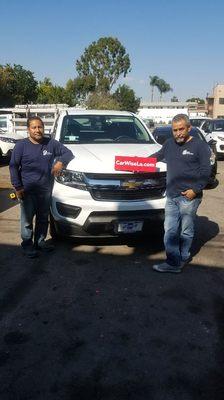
{"x": 142, "y": 175}
{"x": 126, "y": 187}
{"x": 116, "y": 195}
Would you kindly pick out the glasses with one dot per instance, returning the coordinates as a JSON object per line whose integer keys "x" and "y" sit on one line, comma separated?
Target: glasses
{"x": 179, "y": 129}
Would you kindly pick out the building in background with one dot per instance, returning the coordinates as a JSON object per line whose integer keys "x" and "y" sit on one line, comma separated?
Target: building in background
{"x": 215, "y": 102}
{"x": 163, "y": 112}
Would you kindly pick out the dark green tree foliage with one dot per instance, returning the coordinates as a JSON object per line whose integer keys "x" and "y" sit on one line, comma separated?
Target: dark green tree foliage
{"x": 49, "y": 93}
{"x": 153, "y": 82}
{"x": 17, "y": 85}
{"x": 174, "y": 99}
{"x": 69, "y": 93}
{"x": 102, "y": 101}
{"x": 83, "y": 86}
{"x": 196, "y": 99}
{"x": 125, "y": 96}
{"x": 106, "y": 60}
{"x": 163, "y": 87}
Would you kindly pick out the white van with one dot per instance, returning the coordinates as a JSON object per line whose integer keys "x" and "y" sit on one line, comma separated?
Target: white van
{"x": 7, "y": 143}
{"x": 91, "y": 197}
{"x": 8, "y": 139}
{"x": 6, "y": 124}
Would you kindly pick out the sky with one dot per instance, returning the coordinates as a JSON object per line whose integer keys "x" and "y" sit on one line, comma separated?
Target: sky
{"x": 179, "y": 41}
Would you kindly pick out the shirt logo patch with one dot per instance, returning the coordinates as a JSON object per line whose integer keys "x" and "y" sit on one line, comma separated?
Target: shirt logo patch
{"x": 187, "y": 152}
{"x": 46, "y": 153}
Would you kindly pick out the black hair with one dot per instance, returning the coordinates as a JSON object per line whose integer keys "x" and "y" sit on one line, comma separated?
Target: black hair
{"x": 33, "y": 118}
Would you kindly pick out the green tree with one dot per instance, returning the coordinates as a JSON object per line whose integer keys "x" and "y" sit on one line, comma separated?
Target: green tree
{"x": 49, "y": 93}
{"x": 17, "y": 85}
{"x": 196, "y": 99}
{"x": 163, "y": 87}
{"x": 102, "y": 101}
{"x": 125, "y": 96}
{"x": 106, "y": 60}
{"x": 83, "y": 86}
{"x": 174, "y": 99}
{"x": 153, "y": 82}
{"x": 69, "y": 93}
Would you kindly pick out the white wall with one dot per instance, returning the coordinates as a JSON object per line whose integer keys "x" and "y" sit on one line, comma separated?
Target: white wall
{"x": 161, "y": 115}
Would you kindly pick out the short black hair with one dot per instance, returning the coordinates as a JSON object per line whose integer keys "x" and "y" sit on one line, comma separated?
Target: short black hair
{"x": 33, "y": 118}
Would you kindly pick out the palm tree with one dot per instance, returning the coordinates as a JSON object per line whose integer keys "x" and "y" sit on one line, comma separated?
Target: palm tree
{"x": 163, "y": 87}
{"x": 153, "y": 82}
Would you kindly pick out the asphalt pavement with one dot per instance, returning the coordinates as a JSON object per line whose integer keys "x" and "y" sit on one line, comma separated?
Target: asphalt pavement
{"x": 93, "y": 321}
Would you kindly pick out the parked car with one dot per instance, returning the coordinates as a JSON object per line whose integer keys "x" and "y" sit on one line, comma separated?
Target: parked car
{"x": 7, "y": 143}
{"x": 215, "y": 129}
{"x": 161, "y": 134}
{"x": 198, "y": 121}
{"x": 90, "y": 198}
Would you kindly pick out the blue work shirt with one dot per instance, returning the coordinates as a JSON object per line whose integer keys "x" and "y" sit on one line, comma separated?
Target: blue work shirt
{"x": 30, "y": 165}
{"x": 188, "y": 165}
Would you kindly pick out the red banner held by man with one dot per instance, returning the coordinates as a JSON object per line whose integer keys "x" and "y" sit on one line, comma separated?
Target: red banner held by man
{"x": 138, "y": 164}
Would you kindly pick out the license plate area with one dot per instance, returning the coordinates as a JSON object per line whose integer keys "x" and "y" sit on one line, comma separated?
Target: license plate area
{"x": 129, "y": 226}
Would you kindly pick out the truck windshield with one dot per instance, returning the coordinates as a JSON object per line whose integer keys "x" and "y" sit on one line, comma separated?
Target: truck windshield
{"x": 103, "y": 129}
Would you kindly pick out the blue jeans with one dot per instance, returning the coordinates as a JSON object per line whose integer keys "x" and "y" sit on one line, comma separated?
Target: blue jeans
{"x": 180, "y": 216}
{"x": 38, "y": 205}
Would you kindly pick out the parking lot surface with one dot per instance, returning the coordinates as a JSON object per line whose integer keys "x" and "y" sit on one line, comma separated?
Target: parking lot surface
{"x": 93, "y": 321}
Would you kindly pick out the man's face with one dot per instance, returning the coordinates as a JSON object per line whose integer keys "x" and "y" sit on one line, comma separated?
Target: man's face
{"x": 36, "y": 130}
{"x": 181, "y": 131}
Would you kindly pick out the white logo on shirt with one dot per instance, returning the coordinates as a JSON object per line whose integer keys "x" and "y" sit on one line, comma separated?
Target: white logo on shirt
{"x": 187, "y": 152}
{"x": 46, "y": 153}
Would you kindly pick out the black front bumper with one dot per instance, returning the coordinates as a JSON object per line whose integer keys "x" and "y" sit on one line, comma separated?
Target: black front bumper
{"x": 104, "y": 224}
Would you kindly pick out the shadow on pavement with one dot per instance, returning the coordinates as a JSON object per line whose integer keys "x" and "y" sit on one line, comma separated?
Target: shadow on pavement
{"x": 205, "y": 230}
{"x": 85, "y": 324}
{"x": 4, "y": 161}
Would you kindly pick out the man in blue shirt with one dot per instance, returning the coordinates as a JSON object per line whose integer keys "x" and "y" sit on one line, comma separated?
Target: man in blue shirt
{"x": 188, "y": 171}
{"x": 32, "y": 169}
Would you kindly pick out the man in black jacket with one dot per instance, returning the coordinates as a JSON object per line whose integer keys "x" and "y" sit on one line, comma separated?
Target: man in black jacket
{"x": 32, "y": 169}
{"x": 188, "y": 171}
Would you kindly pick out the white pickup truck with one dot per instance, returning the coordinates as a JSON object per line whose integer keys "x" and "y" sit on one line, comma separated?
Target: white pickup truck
{"x": 91, "y": 197}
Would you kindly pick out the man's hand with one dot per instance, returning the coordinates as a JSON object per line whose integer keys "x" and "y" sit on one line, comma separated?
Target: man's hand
{"x": 20, "y": 194}
{"x": 57, "y": 167}
{"x": 189, "y": 194}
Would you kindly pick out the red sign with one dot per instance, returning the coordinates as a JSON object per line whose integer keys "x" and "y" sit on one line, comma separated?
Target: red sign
{"x": 140, "y": 164}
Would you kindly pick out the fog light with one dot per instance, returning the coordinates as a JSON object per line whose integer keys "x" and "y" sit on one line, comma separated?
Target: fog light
{"x": 68, "y": 211}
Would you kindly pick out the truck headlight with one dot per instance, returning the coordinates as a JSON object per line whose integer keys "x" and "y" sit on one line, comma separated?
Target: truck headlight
{"x": 212, "y": 158}
{"x": 72, "y": 178}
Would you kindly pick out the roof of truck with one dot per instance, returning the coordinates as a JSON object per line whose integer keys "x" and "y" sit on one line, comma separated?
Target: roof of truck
{"x": 72, "y": 111}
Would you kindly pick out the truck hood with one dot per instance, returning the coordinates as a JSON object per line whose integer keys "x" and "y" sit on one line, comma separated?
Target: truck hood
{"x": 215, "y": 134}
{"x": 99, "y": 158}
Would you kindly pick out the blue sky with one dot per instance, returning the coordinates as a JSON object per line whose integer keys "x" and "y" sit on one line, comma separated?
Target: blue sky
{"x": 180, "y": 41}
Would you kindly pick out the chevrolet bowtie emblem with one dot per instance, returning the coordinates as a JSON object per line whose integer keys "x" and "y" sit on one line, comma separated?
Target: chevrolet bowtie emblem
{"x": 131, "y": 184}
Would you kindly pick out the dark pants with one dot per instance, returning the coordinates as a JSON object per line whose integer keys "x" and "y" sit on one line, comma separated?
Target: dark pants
{"x": 38, "y": 205}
